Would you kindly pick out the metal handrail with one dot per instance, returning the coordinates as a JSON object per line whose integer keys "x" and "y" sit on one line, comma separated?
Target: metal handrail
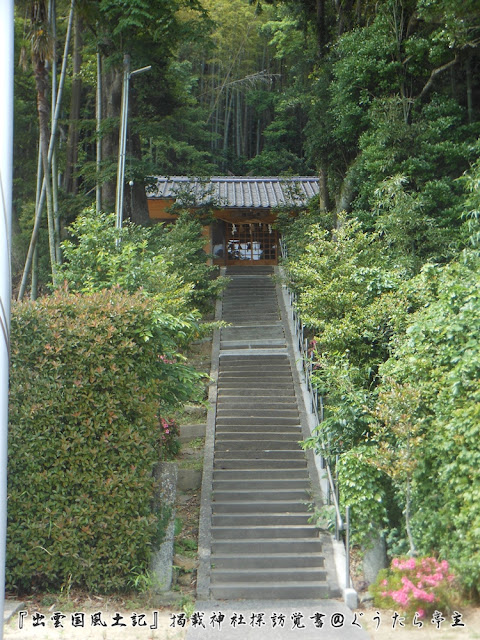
{"x": 317, "y": 408}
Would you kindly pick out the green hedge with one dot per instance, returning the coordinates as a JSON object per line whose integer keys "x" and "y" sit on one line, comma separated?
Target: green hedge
{"x": 91, "y": 377}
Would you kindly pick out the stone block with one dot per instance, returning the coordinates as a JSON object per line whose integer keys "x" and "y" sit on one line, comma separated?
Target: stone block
{"x": 165, "y": 474}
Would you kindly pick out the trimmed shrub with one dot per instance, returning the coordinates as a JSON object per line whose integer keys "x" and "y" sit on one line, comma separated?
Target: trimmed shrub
{"x": 91, "y": 376}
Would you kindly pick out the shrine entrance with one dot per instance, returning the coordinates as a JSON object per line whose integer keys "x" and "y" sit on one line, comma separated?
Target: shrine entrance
{"x": 253, "y": 243}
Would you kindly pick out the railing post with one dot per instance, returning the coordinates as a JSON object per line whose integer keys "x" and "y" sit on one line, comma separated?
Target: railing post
{"x": 347, "y": 547}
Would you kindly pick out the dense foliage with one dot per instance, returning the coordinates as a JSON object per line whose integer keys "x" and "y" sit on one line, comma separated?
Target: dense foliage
{"x": 91, "y": 377}
{"x": 167, "y": 263}
{"x": 380, "y": 100}
{"x": 397, "y": 357}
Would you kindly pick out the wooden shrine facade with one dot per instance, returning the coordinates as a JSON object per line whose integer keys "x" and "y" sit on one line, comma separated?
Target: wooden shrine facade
{"x": 244, "y": 208}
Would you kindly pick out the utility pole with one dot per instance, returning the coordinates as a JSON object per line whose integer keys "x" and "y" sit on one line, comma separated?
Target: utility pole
{"x": 122, "y": 138}
{"x": 6, "y": 161}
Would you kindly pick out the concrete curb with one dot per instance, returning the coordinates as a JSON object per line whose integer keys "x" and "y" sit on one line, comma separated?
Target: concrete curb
{"x": 204, "y": 528}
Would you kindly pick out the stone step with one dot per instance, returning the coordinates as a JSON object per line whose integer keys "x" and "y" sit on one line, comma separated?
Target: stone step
{"x": 255, "y": 445}
{"x": 261, "y": 456}
{"x": 259, "y": 432}
{"x": 251, "y": 319}
{"x": 255, "y": 506}
{"x": 259, "y": 474}
{"x": 249, "y": 369}
{"x": 260, "y": 360}
{"x": 256, "y": 385}
{"x": 276, "y": 575}
{"x": 268, "y": 405}
{"x": 260, "y": 519}
{"x": 251, "y": 344}
{"x": 262, "y": 561}
{"x": 267, "y": 591}
{"x": 280, "y": 545}
{"x": 253, "y": 374}
{"x": 255, "y": 394}
{"x": 279, "y": 418}
{"x": 289, "y": 469}
{"x": 252, "y": 333}
{"x": 256, "y": 465}
{"x": 269, "y": 532}
{"x": 260, "y": 495}
{"x": 260, "y": 485}
{"x": 232, "y": 429}
{"x": 280, "y": 435}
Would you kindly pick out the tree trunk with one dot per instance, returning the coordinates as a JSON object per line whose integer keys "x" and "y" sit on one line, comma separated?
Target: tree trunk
{"x": 469, "y": 88}
{"x": 135, "y": 199}
{"x": 324, "y": 199}
{"x": 112, "y": 99}
{"x": 320, "y": 23}
{"x": 41, "y": 82}
{"x": 70, "y": 180}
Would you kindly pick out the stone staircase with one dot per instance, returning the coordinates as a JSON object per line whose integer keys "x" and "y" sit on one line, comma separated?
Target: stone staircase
{"x": 262, "y": 544}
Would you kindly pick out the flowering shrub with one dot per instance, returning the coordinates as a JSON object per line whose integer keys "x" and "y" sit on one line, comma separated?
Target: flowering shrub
{"x": 169, "y": 438}
{"x": 415, "y": 585}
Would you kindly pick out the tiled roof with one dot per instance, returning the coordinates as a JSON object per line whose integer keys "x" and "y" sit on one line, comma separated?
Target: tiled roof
{"x": 237, "y": 192}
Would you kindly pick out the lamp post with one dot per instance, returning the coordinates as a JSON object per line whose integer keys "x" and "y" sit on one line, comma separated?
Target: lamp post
{"x": 122, "y": 140}
{"x": 6, "y": 153}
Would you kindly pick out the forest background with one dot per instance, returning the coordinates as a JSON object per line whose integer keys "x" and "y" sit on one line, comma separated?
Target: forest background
{"x": 381, "y": 101}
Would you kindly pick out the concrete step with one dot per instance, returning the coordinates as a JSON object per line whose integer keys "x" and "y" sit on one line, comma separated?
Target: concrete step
{"x": 260, "y": 495}
{"x": 269, "y": 532}
{"x": 256, "y": 465}
{"x": 267, "y": 405}
{"x": 248, "y": 369}
{"x": 260, "y": 519}
{"x": 276, "y": 575}
{"x": 280, "y": 545}
{"x": 255, "y": 506}
{"x": 257, "y": 385}
{"x": 246, "y": 375}
{"x": 260, "y": 485}
{"x": 260, "y": 474}
{"x": 266, "y": 561}
{"x": 255, "y": 360}
{"x": 251, "y": 344}
{"x": 267, "y": 590}
{"x": 255, "y": 394}
{"x": 255, "y": 445}
{"x": 261, "y": 457}
{"x": 279, "y": 435}
{"x": 259, "y": 432}
{"x": 280, "y": 419}
{"x": 255, "y": 430}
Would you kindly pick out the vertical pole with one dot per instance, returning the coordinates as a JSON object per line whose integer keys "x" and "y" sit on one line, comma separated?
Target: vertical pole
{"x": 347, "y": 548}
{"x": 122, "y": 142}
{"x": 6, "y": 152}
{"x": 98, "y": 188}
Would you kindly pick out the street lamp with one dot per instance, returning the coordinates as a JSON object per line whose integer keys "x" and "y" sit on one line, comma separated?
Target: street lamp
{"x": 122, "y": 141}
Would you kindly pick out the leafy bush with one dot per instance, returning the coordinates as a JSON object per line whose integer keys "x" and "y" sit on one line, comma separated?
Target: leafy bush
{"x": 182, "y": 246}
{"x": 91, "y": 376}
{"x": 415, "y": 586}
{"x": 167, "y": 263}
{"x": 439, "y": 357}
{"x": 363, "y": 486}
{"x": 99, "y": 256}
